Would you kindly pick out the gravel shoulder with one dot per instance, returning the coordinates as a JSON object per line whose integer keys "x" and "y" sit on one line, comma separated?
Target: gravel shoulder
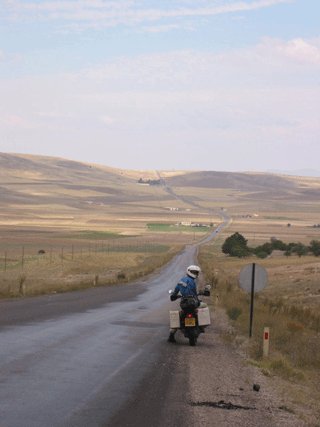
{"x": 221, "y": 385}
{"x": 209, "y": 385}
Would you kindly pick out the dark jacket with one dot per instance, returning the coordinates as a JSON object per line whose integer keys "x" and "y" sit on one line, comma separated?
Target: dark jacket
{"x": 186, "y": 287}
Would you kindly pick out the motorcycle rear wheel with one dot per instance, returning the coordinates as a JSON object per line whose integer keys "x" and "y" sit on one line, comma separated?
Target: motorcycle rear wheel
{"x": 192, "y": 341}
{"x": 193, "y": 337}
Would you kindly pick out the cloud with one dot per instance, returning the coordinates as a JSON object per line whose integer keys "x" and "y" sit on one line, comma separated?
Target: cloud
{"x": 15, "y": 121}
{"x": 262, "y": 100}
{"x": 10, "y": 58}
{"x": 272, "y": 63}
{"x": 297, "y": 50}
{"x": 97, "y": 14}
{"x": 164, "y": 28}
{"x": 54, "y": 115}
{"x": 107, "y": 120}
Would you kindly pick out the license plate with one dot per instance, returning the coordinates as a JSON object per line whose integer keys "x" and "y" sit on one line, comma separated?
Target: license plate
{"x": 189, "y": 322}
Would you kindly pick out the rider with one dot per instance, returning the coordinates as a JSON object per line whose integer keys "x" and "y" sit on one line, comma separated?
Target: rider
{"x": 187, "y": 286}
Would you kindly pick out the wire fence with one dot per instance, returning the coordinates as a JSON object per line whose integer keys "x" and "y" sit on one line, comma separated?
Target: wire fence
{"x": 21, "y": 258}
{"x": 27, "y": 270}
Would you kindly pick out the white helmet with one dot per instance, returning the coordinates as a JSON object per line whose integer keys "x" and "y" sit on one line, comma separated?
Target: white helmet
{"x": 193, "y": 271}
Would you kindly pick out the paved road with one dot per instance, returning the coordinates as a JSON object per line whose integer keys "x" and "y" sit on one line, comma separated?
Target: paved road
{"x": 74, "y": 359}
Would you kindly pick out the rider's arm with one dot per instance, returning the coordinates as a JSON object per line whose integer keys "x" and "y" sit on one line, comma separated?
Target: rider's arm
{"x": 174, "y": 294}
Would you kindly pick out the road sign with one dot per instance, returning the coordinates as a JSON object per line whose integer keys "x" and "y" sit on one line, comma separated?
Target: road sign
{"x": 246, "y": 276}
{"x": 252, "y": 278}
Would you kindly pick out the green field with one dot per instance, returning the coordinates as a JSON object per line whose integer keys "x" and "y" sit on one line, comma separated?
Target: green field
{"x": 174, "y": 228}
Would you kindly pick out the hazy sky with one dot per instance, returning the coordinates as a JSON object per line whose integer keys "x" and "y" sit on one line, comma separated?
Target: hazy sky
{"x": 168, "y": 84}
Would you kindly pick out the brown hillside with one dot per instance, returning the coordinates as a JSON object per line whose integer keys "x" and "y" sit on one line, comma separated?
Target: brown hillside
{"x": 256, "y": 184}
{"x": 37, "y": 190}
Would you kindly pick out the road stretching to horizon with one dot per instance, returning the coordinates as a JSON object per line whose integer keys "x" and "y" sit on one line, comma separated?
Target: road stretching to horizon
{"x": 75, "y": 359}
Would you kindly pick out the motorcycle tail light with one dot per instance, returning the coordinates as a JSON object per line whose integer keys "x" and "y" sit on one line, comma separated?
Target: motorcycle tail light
{"x": 189, "y": 315}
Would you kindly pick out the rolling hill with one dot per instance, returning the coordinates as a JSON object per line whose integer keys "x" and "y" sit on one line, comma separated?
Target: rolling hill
{"x": 49, "y": 191}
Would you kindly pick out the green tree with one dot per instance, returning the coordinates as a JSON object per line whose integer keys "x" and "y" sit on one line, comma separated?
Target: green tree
{"x": 263, "y": 251}
{"x": 236, "y": 245}
{"x": 278, "y": 244}
{"x": 300, "y": 249}
{"x": 315, "y": 247}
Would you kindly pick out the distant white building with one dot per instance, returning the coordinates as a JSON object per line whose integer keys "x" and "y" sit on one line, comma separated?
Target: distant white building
{"x": 172, "y": 209}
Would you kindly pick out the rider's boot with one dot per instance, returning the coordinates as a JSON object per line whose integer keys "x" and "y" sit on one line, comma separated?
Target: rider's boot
{"x": 172, "y": 337}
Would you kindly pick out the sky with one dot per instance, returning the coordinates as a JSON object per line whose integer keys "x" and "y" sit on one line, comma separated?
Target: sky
{"x": 223, "y": 85}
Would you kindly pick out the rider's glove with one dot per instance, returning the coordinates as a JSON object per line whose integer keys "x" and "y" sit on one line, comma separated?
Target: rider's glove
{"x": 173, "y": 297}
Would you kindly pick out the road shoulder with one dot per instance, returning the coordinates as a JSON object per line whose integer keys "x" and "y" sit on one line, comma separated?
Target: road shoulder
{"x": 221, "y": 385}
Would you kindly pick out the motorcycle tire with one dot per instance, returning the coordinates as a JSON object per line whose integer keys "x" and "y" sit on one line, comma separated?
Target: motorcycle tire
{"x": 192, "y": 341}
{"x": 192, "y": 338}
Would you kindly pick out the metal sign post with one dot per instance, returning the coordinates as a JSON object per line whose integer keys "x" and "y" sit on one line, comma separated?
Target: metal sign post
{"x": 252, "y": 298}
{"x": 252, "y": 278}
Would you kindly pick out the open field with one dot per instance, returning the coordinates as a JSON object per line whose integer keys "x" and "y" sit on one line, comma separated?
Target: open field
{"x": 69, "y": 270}
{"x": 72, "y": 210}
{"x": 67, "y": 225}
{"x": 39, "y": 260}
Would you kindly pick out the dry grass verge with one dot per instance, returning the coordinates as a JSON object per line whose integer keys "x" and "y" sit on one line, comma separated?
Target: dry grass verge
{"x": 57, "y": 274}
{"x": 294, "y": 325}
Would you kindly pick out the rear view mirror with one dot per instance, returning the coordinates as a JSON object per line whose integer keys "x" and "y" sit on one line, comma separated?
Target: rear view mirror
{"x": 207, "y": 289}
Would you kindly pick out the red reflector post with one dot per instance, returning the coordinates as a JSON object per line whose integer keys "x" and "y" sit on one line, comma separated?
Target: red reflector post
{"x": 266, "y": 339}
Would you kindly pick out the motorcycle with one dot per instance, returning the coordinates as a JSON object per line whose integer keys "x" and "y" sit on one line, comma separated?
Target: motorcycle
{"x": 192, "y": 318}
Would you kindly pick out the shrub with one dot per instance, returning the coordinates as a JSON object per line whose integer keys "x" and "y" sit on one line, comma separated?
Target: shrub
{"x": 315, "y": 247}
{"x": 234, "y": 312}
{"x": 261, "y": 254}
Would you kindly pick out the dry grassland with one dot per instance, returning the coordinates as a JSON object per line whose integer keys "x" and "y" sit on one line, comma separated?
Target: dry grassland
{"x": 66, "y": 272}
{"x": 53, "y": 205}
{"x": 289, "y": 305}
{"x": 75, "y": 258}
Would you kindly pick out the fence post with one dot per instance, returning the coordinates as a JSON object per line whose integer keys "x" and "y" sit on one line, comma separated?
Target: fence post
{"x": 22, "y": 258}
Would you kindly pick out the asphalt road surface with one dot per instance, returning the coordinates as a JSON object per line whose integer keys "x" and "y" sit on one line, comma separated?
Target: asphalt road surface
{"x": 75, "y": 359}
{"x": 100, "y": 358}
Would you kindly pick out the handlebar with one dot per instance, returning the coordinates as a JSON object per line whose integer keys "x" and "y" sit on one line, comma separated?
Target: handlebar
{"x": 205, "y": 293}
